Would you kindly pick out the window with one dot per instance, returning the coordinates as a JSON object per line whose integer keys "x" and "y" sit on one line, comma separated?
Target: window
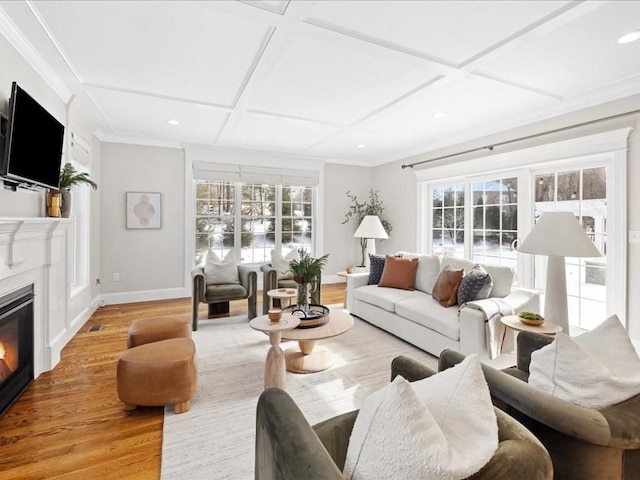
{"x": 583, "y": 192}
{"x": 448, "y": 220}
{"x": 586, "y": 176}
{"x": 495, "y": 221}
{"x": 269, "y": 217}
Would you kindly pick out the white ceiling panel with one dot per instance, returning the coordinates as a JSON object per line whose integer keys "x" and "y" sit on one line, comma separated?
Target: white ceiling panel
{"x": 381, "y": 146}
{"x": 577, "y": 56}
{"x": 267, "y": 132}
{"x": 465, "y": 103}
{"x": 452, "y": 31}
{"x": 320, "y": 78}
{"x": 178, "y": 49}
{"x": 146, "y": 117}
{"x": 320, "y": 81}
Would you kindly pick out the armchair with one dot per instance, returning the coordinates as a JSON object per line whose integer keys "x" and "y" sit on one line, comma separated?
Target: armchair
{"x": 270, "y": 282}
{"x": 288, "y": 448}
{"x": 216, "y": 294}
{"x": 583, "y": 443}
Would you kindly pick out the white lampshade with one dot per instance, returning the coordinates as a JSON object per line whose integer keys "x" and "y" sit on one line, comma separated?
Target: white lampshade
{"x": 371, "y": 227}
{"x": 559, "y": 234}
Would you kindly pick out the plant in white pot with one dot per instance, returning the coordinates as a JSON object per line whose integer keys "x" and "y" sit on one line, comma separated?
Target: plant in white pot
{"x": 70, "y": 177}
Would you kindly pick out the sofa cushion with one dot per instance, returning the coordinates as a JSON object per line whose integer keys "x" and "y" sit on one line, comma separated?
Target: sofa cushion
{"x": 446, "y": 288}
{"x": 427, "y": 273}
{"x": 376, "y": 266}
{"x": 503, "y": 276}
{"x": 385, "y": 298}
{"x": 475, "y": 285}
{"x": 428, "y": 312}
{"x": 399, "y": 273}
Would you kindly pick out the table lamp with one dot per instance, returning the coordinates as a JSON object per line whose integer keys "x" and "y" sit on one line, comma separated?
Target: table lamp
{"x": 558, "y": 235}
{"x": 370, "y": 228}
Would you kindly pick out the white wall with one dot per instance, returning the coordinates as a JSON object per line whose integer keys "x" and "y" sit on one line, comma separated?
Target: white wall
{"x": 150, "y": 262}
{"x": 391, "y": 178}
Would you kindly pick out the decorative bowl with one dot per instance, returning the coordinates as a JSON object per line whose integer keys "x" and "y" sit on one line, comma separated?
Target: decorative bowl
{"x": 350, "y": 269}
{"x": 275, "y": 314}
{"x": 531, "y": 318}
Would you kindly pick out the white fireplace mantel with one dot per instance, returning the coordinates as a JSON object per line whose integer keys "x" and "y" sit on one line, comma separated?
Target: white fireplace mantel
{"x": 35, "y": 251}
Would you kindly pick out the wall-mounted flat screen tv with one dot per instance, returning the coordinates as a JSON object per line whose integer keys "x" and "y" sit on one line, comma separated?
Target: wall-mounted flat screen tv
{"x": 33, "y": 143}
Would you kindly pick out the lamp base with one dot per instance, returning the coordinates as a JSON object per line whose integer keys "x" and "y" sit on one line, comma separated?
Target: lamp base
{"x": 555, "y": 302}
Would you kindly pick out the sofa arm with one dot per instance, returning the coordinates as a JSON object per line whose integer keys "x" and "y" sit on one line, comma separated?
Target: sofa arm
{"x": 523, "y": 300}
{"x": 269, "y": 282}
{"x": 287, "y": 447}
{"x": 198, "y": 284}
{"x": 529, "y": 342}
{"x": 248, "y": 279}
{"x": 355, "y": 280}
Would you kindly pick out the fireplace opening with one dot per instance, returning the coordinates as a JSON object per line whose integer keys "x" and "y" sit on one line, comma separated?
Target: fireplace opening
{"x": 16, "y": 344}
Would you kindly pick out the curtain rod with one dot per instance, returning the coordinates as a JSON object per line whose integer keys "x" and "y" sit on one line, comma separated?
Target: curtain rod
{"x": 528, "y": 137}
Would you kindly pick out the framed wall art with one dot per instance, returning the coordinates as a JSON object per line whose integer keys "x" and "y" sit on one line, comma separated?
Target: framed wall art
{"x": 144, "y": 210}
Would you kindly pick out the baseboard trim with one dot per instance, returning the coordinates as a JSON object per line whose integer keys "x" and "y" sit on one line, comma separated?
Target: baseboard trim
{"x": 143, "y": 296}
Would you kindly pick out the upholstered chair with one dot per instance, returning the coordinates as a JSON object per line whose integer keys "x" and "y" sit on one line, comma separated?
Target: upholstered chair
{"x": 288, "y": 448}
{"x": 270, "y": 281}
{"x": 584, "y": 443}
{"x": 214, "y": 295}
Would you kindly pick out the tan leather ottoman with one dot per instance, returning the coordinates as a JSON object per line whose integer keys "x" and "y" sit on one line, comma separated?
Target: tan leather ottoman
{"x": 150, "y": 330}
{"x": 158, "y": 373}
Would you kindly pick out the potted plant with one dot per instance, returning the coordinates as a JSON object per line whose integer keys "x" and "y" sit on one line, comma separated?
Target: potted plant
{"x": 306, "y": 273}
{"x": 359, "y": 210}
{"x": 70, "y": 177}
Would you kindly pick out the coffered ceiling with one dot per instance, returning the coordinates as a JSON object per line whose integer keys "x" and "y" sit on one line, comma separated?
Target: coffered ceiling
{"x": 362, "y": 82}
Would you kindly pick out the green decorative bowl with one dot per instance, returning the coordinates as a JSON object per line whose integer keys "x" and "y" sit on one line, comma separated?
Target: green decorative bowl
{"x": 530, "y": 318}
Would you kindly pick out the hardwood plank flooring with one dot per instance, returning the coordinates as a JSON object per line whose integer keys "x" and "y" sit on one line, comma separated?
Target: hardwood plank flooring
{"x": 70, "y": 424}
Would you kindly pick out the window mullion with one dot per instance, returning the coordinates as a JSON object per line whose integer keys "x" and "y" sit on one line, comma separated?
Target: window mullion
{"x": 237, "y": 225}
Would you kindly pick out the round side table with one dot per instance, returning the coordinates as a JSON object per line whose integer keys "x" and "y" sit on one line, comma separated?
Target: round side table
{"x": 282, "y": 294}
{"x": 275, "y": 374}
{"x": 547, "y": 328}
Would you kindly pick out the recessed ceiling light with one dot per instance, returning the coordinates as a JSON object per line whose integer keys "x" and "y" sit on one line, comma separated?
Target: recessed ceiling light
{"x": 438, "y": 115}
{"x": 361, "y": 146}
{"x": 629, "y": 37}
{"x": 173, "y": 121}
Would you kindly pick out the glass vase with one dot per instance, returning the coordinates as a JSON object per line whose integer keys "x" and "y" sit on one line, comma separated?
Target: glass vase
{"x": 302, "y": 300}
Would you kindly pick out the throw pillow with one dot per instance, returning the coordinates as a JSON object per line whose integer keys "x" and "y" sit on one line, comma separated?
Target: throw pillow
{"x": 445, "y": 290}
{"x": 399, "y": 273}
{"x": 443, "y": 427}
{"x": 376, "y": 266}
{"x": 475, "y": 285}
{"x": 217, "y": 272}
{"x": 594, "y": 370}
{"x": 281, "y": 264}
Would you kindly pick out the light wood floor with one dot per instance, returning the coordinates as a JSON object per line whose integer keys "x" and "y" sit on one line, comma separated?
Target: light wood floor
{"x": 70, "y": 424}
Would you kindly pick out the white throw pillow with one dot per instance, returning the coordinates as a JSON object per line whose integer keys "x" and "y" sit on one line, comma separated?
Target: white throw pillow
{"x": 594, "y": 370}
{"x": 218, "y": 271}
{"x": 442, "y": 427}
{"x": 282, "y": 264}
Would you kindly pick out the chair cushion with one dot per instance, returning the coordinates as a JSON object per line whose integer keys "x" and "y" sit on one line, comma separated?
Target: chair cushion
{"x": 399, "y": 273}
{"x": 594, "y": 370}
{"x": 218, "y": 271}
{"x": 442, "y": 427}
{"x": 230, "y": 291}
{"x": 428, "y": 312}
{"x": 282, "y": 264}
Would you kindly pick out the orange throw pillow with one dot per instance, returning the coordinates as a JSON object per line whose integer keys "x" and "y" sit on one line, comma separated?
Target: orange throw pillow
{"x": 446, "y": 288}
{"x": 399, "y": 272}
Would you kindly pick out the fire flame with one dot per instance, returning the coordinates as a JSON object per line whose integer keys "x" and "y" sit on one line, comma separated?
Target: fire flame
{"x": 3, "y": 351}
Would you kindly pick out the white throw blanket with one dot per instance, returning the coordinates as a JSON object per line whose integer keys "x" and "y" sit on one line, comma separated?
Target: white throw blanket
{"x": 496, "y": 333}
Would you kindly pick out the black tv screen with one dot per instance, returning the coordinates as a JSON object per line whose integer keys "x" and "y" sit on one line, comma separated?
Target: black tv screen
{"x": 33, "y": 143}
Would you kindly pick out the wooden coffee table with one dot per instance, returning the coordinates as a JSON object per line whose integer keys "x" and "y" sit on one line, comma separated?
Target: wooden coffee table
{"x": 275, "y": 374}
{"x": 308, "y": 357}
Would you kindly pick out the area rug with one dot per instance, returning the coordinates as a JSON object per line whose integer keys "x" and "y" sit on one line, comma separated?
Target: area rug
{"x": 216, "y": 438}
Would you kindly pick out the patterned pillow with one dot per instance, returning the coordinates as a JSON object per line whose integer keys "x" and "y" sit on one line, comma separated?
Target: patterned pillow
{"x": 376, "y": 266}
{"x": 475, "y": 285}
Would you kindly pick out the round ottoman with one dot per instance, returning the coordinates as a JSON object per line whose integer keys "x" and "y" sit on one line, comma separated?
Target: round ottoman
{"x": 158, "y": 373}
{"x": 150, "y": 330}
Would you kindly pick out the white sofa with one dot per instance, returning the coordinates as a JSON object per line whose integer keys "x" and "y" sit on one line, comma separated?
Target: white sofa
{"x": 420, "y": 320}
